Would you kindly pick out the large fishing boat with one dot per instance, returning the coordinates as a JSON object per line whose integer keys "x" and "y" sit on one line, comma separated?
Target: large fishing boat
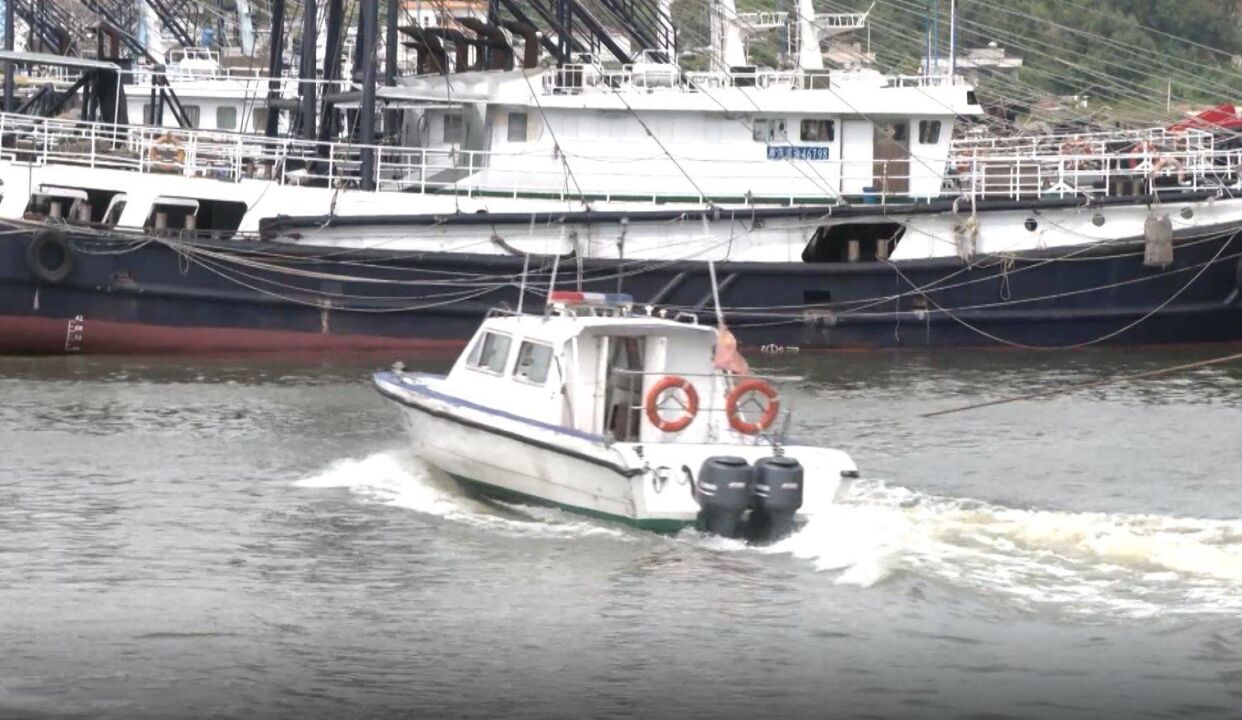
{"x": 839, "y": 206}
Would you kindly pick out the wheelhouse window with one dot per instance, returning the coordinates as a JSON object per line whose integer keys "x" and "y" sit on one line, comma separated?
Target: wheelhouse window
{"x": 768, "y": 129}
{"x": 490, "y": 353}
{"x": 819, "y": 130}
{"x": 226, "y": 117}
{"x": 454, "y": 129}
{"x": 895, "y": 131}
{"x": 929, "y": 132}
{"x": 191, "y": 114}
{"x": 533, "y": 362}
{"x": 517, "y": 127}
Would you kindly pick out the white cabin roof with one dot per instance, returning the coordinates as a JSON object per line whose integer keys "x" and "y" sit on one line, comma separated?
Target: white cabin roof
{"x": 560, "y": 328}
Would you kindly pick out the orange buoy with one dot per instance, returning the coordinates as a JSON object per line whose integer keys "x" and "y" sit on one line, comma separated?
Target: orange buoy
{"x": 769, "y": 415}
{"x": 663, "y": 385}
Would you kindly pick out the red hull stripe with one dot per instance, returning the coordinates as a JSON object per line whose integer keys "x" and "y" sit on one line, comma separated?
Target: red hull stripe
{"x": 23, "y": 334}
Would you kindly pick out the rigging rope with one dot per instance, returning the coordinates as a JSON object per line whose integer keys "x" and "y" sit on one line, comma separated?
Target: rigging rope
{"x": 1088, "y": 385}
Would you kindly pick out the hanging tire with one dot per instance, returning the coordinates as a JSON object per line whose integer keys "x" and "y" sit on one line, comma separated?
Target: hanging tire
{"x": 49, "y": 256}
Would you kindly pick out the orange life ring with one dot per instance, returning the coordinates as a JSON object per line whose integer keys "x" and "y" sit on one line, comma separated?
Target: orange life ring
{"x": 166, "y": 153}
{"x": 769, "y": 415}
{"x": 652, "y": 405}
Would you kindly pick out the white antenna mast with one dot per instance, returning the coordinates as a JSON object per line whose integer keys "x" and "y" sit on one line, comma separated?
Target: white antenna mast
{"x": 952, "y": 38}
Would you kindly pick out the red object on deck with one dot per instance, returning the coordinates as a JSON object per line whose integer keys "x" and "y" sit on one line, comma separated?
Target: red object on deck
{"x": 1223, "y": 117}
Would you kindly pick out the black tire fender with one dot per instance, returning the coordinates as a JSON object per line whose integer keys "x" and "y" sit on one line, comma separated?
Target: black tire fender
{"x": 44, "y": 241}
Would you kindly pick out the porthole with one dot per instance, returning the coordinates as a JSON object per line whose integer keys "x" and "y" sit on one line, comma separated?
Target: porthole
{"x": 1030, "y": 224}
{"x": 1097, "y": 220}
{"x": 1187, "y": 213}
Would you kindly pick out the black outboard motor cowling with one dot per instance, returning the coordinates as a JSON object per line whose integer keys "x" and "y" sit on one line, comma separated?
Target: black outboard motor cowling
{"x": 723, "y": 492}
{"x": 777, "y": 498}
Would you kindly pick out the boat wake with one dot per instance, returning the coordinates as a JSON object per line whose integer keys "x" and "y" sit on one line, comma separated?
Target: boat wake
{"x": 399, "y": 479}
{"x": 1135, "y": 565}
{"x": 1077, "y": 563}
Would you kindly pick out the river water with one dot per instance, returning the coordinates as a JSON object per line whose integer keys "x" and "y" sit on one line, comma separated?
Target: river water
{"x": 248, "y": 538}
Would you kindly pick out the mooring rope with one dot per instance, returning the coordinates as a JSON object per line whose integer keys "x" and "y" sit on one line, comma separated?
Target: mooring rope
{"x": 1087, "y": 385}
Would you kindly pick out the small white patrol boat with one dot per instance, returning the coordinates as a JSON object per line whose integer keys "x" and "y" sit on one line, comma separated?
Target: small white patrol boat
{"x": 601, "y": 410}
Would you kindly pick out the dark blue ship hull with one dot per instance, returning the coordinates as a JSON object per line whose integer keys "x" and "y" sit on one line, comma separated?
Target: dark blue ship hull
{"x": 136, "y": 294}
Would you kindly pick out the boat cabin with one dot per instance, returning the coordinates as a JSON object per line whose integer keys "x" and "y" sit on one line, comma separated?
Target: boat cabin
{"x": 594, "y": 366}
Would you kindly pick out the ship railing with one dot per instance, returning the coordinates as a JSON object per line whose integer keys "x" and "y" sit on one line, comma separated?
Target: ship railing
{"x": 713, "y": 390}
{"x": 234, "y": 157}
{"x": 144, "y": 75}
{"x": 767, "y": 19}
{"x": 1147, "y": 171}
{"x": 579, "y": 78}
{"x": 1099, "y": 143}
{"x": 980, "y": 172}
{"x": 841, "y": 21}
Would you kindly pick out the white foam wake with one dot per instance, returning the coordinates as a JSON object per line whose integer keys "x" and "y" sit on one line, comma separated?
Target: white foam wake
{"x": 1082, "y": 562}
{"x": 399, "y": 479}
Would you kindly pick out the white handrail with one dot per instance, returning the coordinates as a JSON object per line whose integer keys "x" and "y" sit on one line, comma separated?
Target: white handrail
{"x": 1018, "y": 168}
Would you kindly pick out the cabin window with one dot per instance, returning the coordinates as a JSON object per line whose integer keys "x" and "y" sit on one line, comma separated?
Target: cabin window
{"x": 148, "y": 117}
{"x": 258, "y": 119}
{"x": 517, "y": 127}
{"x": 929, "y": 132}
{"x": 192, "y": 114}
{"x": 819, "y": 130}
{"x": 768, "y": 129}
{"x": 532, "y": 362}
{"x": 226, "y": 117}
{"x": 895, "y": 131}
{"x": 453, "y": 128}
{"x": 490, "y": 353}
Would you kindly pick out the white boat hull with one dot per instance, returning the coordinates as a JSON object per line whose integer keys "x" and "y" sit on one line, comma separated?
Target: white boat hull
{"x": 647, "y": 486}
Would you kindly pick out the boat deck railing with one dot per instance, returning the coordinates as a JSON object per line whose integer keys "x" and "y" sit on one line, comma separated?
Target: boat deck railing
{"x": 1012, "y": 168}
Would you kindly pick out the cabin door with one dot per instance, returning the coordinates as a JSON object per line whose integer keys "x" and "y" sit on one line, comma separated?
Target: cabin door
{"x": 623, "y": 386}
{"x": 892, "y": 157}
{"x": 856, "y": 156}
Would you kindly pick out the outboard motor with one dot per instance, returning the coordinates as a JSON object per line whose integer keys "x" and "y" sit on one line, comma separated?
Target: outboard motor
{"x": 723, "y": 492}
{"x": 777, "y": 498}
